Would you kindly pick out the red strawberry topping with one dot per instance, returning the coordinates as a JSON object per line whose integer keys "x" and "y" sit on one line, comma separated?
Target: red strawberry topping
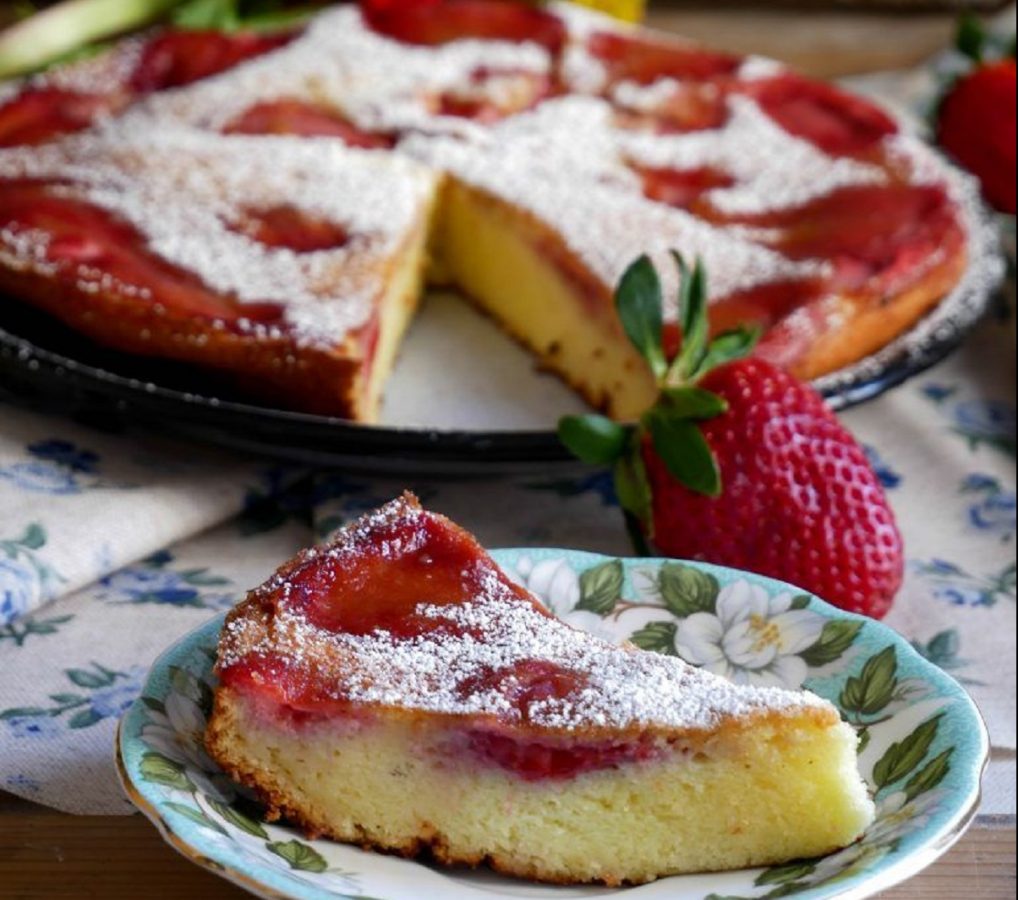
{"x": 886, "y": 232}
{"x": 304, "y": 120}
{"x": 977, "y": 127}
{"x": 682, "y": 187}
{"x": 41, "y": 114}
{"x": 176, "y": 58}
{"x": 83, "y": 235}
{"x": 480, "y": 102}
{"x": 838, "y": 123}
{"x": 289, "y": 227}
{"x": 692, "y": 106}
{"x": 436, "y": 22}
{"x": 645, "y": 59}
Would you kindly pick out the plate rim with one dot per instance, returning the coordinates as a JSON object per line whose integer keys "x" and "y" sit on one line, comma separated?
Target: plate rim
{"x": 946, "y": 836}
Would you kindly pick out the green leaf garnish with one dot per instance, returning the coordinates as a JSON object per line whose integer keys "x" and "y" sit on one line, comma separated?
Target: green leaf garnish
{"x": 632, "y": 487}
{"x": 971, "y": 37}
{"x": 672, "y": 423}
{"x": 638, "y": 301}
{"x": 728, "y": 347}
{"x": 221, "y": 15}
{"x": 685, "y": 452}
{"x": 692, "y": 318}
{"x": 692, "y": 402}
{"x": 596, "y": 440}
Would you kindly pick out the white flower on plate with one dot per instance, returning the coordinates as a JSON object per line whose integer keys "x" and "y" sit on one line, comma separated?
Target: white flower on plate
{"x": 557, "y": 586}
{"x": 179, "y": 736}
{"x": 753, "y": 638}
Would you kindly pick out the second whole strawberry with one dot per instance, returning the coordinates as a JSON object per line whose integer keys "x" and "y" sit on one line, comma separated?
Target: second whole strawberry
{"x": 740, "y": 464}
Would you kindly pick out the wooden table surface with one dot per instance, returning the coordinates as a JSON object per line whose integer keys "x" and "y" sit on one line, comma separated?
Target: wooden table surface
{"x": 46, "y": 854}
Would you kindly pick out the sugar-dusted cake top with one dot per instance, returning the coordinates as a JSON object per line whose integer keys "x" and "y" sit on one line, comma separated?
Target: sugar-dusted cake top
{"x": 405, "y": 610}
{"x": 307, "y": 226}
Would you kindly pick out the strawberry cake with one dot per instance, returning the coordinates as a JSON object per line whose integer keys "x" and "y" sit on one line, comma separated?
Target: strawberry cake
{"x": 396, "y": 690}
{"x": 566, "y": 144}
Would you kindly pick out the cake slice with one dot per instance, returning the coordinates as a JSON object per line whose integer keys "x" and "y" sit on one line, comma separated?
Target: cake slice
{"x": 289, "y": 267}
{"x": 395, "y": 689}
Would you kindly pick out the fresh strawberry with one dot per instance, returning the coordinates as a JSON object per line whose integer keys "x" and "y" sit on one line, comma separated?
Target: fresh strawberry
{"x": 645, "y": 59}
{"x": 838, "y": 123}
{"x": 977, "y": 127}
{"x": 740, "y": 464}
{"x": 176, "y": 58}
{"x": 436, "y": 22}
{"x": 296, "y": 117}
{"x": 41, "y": 114}
{"x": 976, "y": 118}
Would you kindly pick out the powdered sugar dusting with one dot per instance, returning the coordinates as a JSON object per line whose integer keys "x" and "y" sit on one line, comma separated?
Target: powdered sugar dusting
{"x": 448, "y": 670}
{"x": 188, "y": 213}
{"x": 583, "y": 189}
{"x": 773, "y": 170}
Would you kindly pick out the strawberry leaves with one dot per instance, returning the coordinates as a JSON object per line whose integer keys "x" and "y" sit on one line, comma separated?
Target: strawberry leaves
{"x": 638, "y": 302}
{"x": 596, "y": 440}
{"x": 684, "y": 451}
{"x": 670, "y": 427}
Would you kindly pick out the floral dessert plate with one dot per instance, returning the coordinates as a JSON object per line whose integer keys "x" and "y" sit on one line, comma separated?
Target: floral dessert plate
{"x": 922, "y": 743}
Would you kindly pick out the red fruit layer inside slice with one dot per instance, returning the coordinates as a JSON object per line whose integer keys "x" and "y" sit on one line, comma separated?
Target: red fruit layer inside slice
{"x": 304, "y": 120}
{"x": 436, "y": 23}
{"x": 176, "y": 58}
{"x": 838, "y": 123}
{"x": 645, "y": 60}
{"x": 87, "y": 243}
{"x": 682, "y": 188}
{"x": 888, "y": 232}
{"x": 291, "y": 228}
{"x": 542, "y": 761}
{"x": 41, "y": 114}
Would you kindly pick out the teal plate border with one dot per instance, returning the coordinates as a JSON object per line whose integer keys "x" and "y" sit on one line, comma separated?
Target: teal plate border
{"x": 923, "y": 745}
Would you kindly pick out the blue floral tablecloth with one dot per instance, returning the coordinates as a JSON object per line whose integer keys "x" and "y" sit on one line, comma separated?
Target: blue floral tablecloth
{"x": 112, "y": 546}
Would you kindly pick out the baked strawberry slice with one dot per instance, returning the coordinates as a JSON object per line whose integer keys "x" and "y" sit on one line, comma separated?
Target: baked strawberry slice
{"x": 89, "y": 245}
{"x": 682, "y": 187}
{"x": 290, "y": 228}
{"x": 176, "y": 58}
{"x": 691, "y": 106}
{"x": 838, "y": 123}
{"x": 435, "y": 22}
{"x": 740, "y": 464}
{"x": 885, "y": 233}
{"x": 40, "y": 114}
{"x": 644, "y": 60}
{"x": 494, "y": 94}
{"x": 295, "y": 117}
